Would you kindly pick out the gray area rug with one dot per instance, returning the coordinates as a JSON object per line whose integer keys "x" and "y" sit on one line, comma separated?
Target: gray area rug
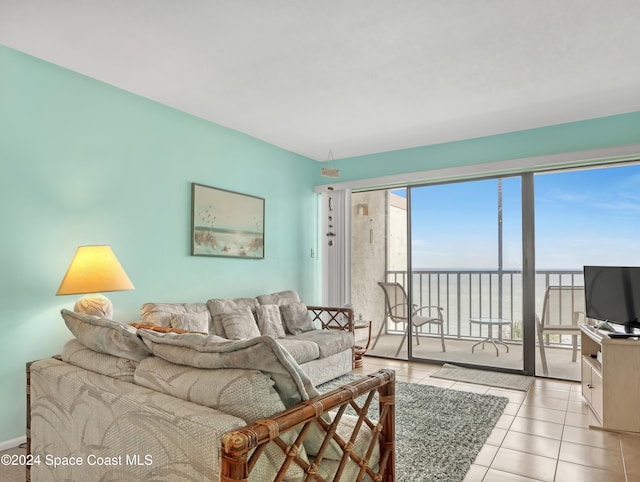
{"x": 484, "y": 377}
{"x": 439, "y": 432}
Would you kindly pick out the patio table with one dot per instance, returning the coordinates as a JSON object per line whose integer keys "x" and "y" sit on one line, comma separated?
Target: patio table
{"x": 490, "y": 322}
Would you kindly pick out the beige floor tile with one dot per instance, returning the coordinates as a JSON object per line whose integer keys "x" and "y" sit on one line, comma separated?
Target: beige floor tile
{"x": 630, "y": 443}
{"x": 576, "y": 396}
{"x": 401, "y": 378}
{"x": 577, "y": 420}
{"x": 475, "y": 473}
{"x": 600, "y": 458}
{"x": 532, "y": 444}
{"x": 595, "y": 438}
{"x": 524, "y": 464}
{"x": 511, "y": 409}
{"x": 577, "y": 407}
{"x": 567, "y": 471}
{"x": 550, "y": 393}
{"x": 496, "y": 436}
{"x": 413, "y": 379}
{"x": 494, "y": 475}
{"x": 411, "y": 371}
{"x": 537, "y": 427}
{"x": 486, "y": 455}
{"x": 505, "y": 421}
{"x": 631, "y": 455}
{"x": 514, "y": 396}
{"x": 544, "y": 402}
{"x": 543, "y": 414}
{"x": 633, "y": 472}
{"x": 554, "y": 384}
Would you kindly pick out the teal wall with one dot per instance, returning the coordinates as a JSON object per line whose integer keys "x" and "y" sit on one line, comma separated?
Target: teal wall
{"x": 86, "y": 163}
{"x": 575, "y": 136}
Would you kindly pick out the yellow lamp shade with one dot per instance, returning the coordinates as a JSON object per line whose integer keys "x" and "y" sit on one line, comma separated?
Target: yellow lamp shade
{"x": 94, "y": 269}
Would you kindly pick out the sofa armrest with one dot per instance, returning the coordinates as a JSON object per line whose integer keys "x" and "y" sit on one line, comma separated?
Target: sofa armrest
{"x": 237, "y": 445}
{"x": 332, "y": 318}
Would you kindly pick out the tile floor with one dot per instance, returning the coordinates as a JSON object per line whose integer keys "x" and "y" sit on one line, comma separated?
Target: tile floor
{"x": 543, "y": 435}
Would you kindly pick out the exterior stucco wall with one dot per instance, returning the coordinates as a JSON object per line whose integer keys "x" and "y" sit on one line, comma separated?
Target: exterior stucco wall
{"x": 378, "y": 244}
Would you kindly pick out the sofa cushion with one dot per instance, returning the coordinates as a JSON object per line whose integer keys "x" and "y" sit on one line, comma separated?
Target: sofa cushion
{"x": 302, "y": 351}
{"x": 160, "y": 313}
{"x": 270, "y": 321}
{"x": 106, "y": 336}
{"x": 296, "y": 318}
{"x": 329, "y": 342}
{"x": 79, "y": 355}
{"x": 280, "y": 298}
{"x": 191, "y": 321}
{"x": 220, "y": 389}
{"x": 239, "y": 324}
{"x": 218, "y": 306}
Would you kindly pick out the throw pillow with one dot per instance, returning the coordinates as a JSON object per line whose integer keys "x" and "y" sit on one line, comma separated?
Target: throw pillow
{"x": 159, "y": 314}
{"x": 270, "y": 321}
{"x": 240, "y": 324}
{"x": 280, "y": 298}
{"x": 296, "y": 318}
{"x": 218, "y": 306}
{"x": 106, "y": 336}
{"x": 191, "y": 321}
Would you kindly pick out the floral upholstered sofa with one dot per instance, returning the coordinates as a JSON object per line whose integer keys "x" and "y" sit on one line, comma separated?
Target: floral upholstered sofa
{"x": 184, "y": 403}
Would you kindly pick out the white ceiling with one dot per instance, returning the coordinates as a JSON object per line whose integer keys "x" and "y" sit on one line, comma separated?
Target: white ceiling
{"x": 353, "y": 76}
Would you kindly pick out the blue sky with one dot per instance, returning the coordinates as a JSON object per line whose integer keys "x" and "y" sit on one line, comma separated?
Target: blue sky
{"x": 582, "y": 217}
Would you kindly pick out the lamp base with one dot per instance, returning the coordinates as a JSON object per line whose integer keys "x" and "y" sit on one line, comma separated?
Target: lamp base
{"x": 94, "y": 304}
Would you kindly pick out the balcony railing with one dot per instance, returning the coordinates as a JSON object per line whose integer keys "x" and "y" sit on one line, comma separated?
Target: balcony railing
{"x": 471, "y": 293}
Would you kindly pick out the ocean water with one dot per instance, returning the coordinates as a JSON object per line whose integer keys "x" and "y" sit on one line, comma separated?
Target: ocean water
{"x": 466, "y": 295}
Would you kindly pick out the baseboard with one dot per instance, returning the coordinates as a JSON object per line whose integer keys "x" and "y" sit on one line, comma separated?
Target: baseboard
{"x": 9, "y": 444}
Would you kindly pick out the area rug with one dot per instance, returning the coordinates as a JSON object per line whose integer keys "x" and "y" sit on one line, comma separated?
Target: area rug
{"x": 439, "y": 432}
{"x": 484, "y": 377}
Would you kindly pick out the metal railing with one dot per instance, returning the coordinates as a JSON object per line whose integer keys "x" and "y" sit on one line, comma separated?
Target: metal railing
{"x": 474, "y": 293}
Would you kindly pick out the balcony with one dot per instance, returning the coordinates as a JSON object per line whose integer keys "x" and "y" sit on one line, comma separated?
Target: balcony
{"x": 466, "y": 294}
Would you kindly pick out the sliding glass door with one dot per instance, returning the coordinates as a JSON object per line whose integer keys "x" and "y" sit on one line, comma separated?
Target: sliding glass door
{"x": 466, "y": 256}
{"x": 583, "y": 217}
{"x": 459, "y": 246}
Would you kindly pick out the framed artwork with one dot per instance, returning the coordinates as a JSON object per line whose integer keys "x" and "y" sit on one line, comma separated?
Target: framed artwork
{"x": 226, "y": 223}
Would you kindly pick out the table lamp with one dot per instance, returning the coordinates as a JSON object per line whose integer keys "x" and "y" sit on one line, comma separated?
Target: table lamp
{"x": 94, "y": 269}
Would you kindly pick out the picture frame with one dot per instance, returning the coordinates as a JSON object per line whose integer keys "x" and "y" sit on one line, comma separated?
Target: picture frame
{"x": 226, "y": 223}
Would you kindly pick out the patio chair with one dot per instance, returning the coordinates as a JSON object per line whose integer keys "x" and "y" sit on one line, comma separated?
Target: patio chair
{"x": 563, "y": 310}
{"x": 396, "y": 311}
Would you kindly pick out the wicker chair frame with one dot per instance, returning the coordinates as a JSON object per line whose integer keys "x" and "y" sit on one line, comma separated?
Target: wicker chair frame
{"x": 241, "y": 448}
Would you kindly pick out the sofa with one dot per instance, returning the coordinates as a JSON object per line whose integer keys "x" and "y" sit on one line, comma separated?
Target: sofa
{"x": 320, "y": 339}
{"x": 124, "y": 402}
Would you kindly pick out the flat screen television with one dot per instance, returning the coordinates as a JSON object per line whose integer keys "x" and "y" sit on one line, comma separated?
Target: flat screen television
{"x": 612, "y": 294}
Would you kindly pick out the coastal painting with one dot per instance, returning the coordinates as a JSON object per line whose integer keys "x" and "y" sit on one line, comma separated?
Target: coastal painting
{"x": 226, "y": 223}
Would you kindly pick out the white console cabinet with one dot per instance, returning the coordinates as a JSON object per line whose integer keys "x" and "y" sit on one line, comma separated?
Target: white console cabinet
{"x": 611, "y": 386}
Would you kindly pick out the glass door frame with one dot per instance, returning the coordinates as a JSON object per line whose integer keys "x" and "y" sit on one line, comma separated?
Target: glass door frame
{"x": 528, "y": 273}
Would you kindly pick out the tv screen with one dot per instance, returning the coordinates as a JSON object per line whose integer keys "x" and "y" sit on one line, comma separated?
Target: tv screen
{"x": 612, "y": 293}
